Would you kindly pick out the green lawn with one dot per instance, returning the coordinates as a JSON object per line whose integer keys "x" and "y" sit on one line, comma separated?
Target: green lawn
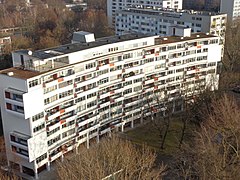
{"x": 149, "y": 135}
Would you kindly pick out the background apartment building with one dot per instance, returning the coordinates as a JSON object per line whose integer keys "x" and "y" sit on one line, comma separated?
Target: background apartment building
{"x": 55, "y": 99}
{"x": 114, "y": 5}
{"x": 160, "y": 21}
{"x": 4, "y": 42}
{"x": 231, "y": 8}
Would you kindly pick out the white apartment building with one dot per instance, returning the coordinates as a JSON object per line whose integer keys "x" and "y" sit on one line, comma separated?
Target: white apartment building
{"x": 114, "y": 5}
{"x": 231, "y": 8}
{"x": 55, "y": 99}
{"x": 159, "y": 21}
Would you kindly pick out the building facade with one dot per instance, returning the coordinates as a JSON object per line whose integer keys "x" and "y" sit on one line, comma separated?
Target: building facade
{"x": 160, "y": 21}
{"x": 114, "y": 5}
{"x": 4, "y": 42}
{"x": 231, "y": 8}
{"x": 55, "y": 99}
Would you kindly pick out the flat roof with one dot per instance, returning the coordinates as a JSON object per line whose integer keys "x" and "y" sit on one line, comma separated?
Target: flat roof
{"x": 167, "y": 12}
{"x": 74, "y": 47}
{"x": 19, "y": 73}
{"x": 174, "y": 39}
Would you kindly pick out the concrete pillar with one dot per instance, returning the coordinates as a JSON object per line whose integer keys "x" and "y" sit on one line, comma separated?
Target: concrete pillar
{"x": 141, "y": 119}
{"x": 48, "y": 166}
{"x": 35, "y": 172}
{"x": 21, "y": 169}
{"x": 88, "y": 140}
{"x": 76, "y": 149}
{"x": 132, "y": 124}
{"x": 122, "y": 127}
{"x": 174, "y": 104}
{"x": 62, "y": 157}
{"x": 8, "y": 163}
{"x": 98, "y": 136}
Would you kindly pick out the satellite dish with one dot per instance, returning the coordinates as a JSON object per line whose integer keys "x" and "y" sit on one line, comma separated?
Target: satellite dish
{"x": 29, "y": 53}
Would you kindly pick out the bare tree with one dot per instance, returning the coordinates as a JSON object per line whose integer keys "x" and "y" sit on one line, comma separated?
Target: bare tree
{"x": 232, "y": 53}
{"x": 111, "y": 158}
{"x": 215, "y": 151}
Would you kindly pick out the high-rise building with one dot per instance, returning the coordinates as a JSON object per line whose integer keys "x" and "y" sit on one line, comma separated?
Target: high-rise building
{"x": 231, "y": 8}
{"x": 55, "y": 99}
{"x": 160, "y": 21}
{"x": 114, "y": 5}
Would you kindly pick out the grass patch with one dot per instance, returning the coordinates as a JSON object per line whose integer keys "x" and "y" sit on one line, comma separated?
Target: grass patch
{"x": 149, "y": 135}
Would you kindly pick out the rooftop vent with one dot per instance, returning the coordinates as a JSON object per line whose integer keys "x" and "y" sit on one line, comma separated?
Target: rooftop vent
{"x": 10, "y": 73}
{"x": 83, "y": 37}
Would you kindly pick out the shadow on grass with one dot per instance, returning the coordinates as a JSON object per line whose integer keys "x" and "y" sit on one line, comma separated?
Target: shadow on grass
{"x": 149, "y": 135}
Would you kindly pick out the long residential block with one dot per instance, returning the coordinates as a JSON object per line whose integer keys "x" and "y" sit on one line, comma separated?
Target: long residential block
{"x": 56, "y": 99}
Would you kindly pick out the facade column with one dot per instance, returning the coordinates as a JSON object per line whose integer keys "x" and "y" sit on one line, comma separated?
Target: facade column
{"x": 174, "y": 104}
{"x": 98, "y": 135}
{"x": 48, "y": 166}
{"x": 87, "y": 140}
{"x": 62, "y": 157}
{"x": 35, "y": 170}
{"x": 110, "y": 133}
{"x": 76, "y": 149}
{"x": 122, "y": 127}
{"x": 132, "y": 124}
{"x": 21, "y": 169}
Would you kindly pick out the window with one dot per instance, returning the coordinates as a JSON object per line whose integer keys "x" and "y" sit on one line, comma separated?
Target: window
{"x": 38, "y": 128}
{"x": 90, "y": 65}
{"x": 33, "y": 83}
{"x": 20, "y": 151}
{"x": 91, "y": 104}
{"x": 127, "y": 91}
{"x": 65, "y": 94}
{"x": 138, "y": 88}
{"x": 19, "y": 109}
{"x": 50, "y": 99}
{"x": 66, "y": 83}
{"x": 49, "y": 133}
{"x": 50, "y": 89}
{"x": 38, "y": 116}
{"x": 80, "y": 99}
{"x": 41, "y": 158}
{"x": 103, "y": 81}
{"x": 7, "y": 95}
{"x": 91, "y": 95}
{"x": 54, "y": 140}
{"x": 9, "y": 106}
